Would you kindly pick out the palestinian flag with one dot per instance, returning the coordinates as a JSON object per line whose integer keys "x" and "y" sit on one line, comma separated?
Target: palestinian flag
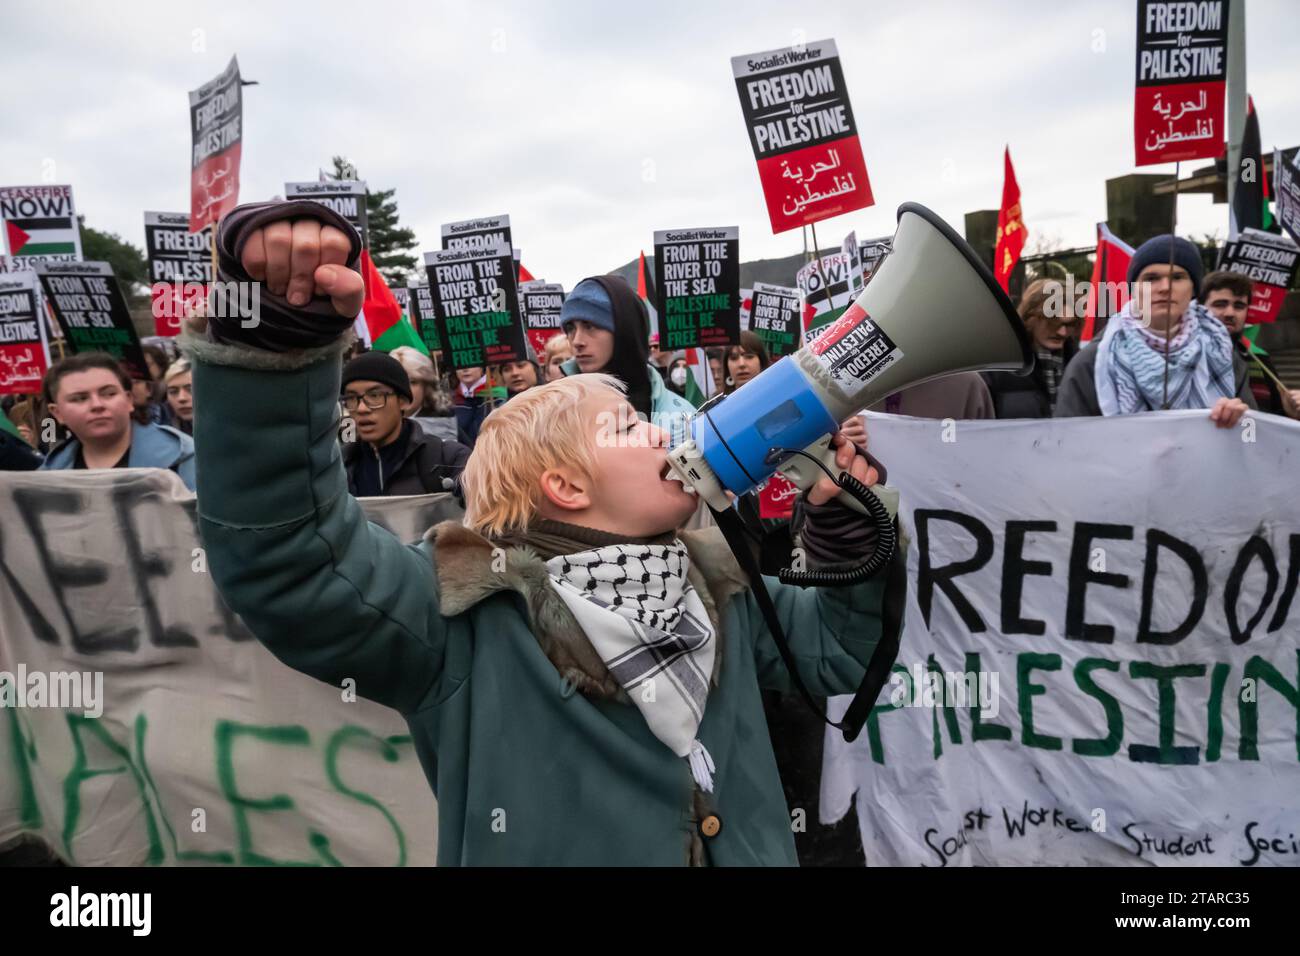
{"x": 1249, "y": 208}
{"x": 1109, "y": 274}
{"x": 51, "y": 236}
{"x": 699, "y": 383}
{"x": 383, "y": 316}
{"x": 1248, "y": 336}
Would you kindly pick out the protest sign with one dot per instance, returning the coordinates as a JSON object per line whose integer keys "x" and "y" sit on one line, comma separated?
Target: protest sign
{"x": 1270, "y": 261}
{"x": 347, "y": 197}
{"x": 40, "y": 225}
{"x": 1086, "y": 677}
{"x": 541, "y": 303}
{"x": 180, "y": 268}
{"x": 800, "y": 125}
{"x": 477, "y": 233}
{"x": 829, "y": 285}
{"x": 776, "y": 318}
{"x": 424, "y": 318}
{"x": 477, "y": 305}
{"x": 872, "y": 252}
{"x": 403, "y": 297}
{"x": 1286, "y": 190}
{"x": 1182, "y": 69}
{"x": 191, "y": 743}
{"x": 746, "y": 306}
{"x": 92, "y": 313}
{"x": 216, "y": 136}
{"x": 698, "y": 274}
{"x": 24, "y": 352}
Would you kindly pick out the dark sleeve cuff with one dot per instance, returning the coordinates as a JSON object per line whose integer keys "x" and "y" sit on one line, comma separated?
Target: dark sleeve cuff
{"x": 834, "y": 534}
{"x": 275, "y": 326}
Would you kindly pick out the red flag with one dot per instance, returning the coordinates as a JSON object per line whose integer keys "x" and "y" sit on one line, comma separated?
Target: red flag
{"x": 524, "y": 274}
{"x": 1109, "y": 285}
{"x": 642, "y": 286}
{"x": 1011, "y": 228}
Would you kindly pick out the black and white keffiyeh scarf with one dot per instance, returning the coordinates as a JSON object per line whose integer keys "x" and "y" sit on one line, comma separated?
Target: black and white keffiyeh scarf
{"x": 649, "y": 626}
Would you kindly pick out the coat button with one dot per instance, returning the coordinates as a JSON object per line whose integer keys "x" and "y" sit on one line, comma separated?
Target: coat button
{"x": 710, "y": 826}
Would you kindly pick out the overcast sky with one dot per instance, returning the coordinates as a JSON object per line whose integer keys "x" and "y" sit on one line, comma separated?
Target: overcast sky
{"x": 594, "y": 123}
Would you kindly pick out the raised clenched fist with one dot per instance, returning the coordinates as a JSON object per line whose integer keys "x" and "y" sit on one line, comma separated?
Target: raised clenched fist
{"x": 301, "y": 258}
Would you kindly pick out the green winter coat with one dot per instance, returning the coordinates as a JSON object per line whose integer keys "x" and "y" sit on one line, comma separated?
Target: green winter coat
{"x": 535, "y": 757}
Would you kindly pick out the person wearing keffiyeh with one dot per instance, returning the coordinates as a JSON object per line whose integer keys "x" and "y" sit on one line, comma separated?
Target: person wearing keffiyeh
{"x": 1162, "y": 351}
{"x": 580, "y": 678}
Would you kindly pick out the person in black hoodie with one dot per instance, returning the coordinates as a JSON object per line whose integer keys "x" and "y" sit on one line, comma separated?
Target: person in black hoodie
{"x": 608, "y": 327}
{"x": 392, "y": 456}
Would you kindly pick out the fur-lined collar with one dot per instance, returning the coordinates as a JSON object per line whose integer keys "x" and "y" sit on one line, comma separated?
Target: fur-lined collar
{"x": 470, "y": 569}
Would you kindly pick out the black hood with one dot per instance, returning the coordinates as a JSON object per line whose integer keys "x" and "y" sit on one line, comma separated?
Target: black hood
{"x": 631, "y": 359}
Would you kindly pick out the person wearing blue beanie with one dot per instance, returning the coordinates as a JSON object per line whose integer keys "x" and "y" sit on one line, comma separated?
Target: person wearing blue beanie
{"x": 609, "y": 329}
{"x": 1156, "y": 251}
{"x": 1163, "y": 350}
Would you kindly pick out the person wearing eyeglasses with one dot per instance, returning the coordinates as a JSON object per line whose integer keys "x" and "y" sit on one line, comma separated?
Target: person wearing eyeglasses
{"x": 392, "y": 456}
{"x": 1050, "y": 320}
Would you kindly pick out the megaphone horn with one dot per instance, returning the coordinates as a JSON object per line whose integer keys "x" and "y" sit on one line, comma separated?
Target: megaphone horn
{"x": 932, "y": 308}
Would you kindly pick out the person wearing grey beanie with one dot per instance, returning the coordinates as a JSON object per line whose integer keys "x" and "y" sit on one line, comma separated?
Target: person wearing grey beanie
{"x": 1163, "y": 350}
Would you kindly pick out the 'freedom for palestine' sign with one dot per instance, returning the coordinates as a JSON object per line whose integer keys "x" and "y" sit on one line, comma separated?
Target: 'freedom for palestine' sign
{"x": 92, "y": 313}
{"x": 347, "y": 197}
{"x": 477, "y": 305}
{"x": 24, "y": 353}
{"x": 699, "y": 287}
{"x": 541, "y": 303}
{"x": 801, "y": 128}
{"x": 1182, "y": 69}
{"x": 180, "y": 268}
{"x": 217, "y": 135}
{"x": 1270, "y": 262}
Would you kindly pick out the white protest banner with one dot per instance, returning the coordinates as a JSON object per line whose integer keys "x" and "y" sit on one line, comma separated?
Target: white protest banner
{"x": 347, "y": 197}
{"x": 40, "y": 225}
{"x": 1102, "y": 634}
{"x": 179, "y": 739}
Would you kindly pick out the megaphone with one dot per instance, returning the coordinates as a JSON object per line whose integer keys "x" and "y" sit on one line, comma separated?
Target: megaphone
{"x": 932, "y": 308}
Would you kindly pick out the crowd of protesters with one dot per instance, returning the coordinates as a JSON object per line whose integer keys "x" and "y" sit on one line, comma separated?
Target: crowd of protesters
{"x": 407, "y": 429}
{"x": 1120, "y": 371}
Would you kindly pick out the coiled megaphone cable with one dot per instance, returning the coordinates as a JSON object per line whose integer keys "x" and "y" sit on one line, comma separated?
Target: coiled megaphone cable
{"x": 886, "y": 536}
